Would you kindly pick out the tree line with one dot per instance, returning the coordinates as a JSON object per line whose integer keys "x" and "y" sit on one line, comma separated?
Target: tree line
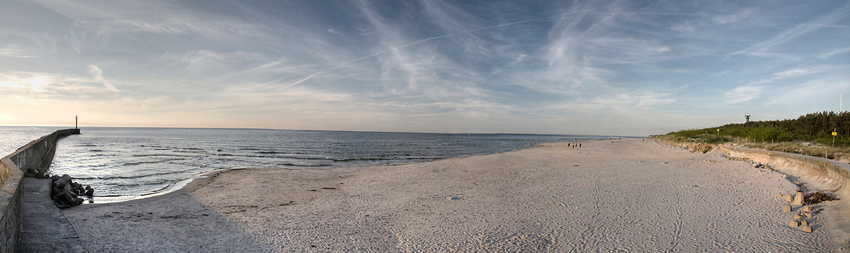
{"x": 812, "y": 127}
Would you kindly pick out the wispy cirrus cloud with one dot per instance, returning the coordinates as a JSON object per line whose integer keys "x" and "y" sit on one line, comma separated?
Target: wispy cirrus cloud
{"x": 801, "y": 71}
{"x": 795, "y": 32}
{"x": 53, "y": 86}
{"x": 97, "y": 76}
{"x": 416, "y": 65}
{"x": 744, "y": 93}
{"x": 834, "y": 52}
{"x": 111, "y": 18}
{"x": 818, "y": 91}
{"x": 795, "y": 72}
{"x": 731, "y": 18}
{"x": 638, "y": 102}
{"x": 13, "y": 51}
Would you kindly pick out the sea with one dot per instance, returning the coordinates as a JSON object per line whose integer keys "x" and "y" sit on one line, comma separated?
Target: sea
{"x": 128, "y": 163}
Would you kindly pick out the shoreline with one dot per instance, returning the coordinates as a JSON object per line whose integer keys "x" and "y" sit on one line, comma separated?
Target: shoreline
{"x": 129, "y": 170}
{"x": 528, "y": 199}
{"x": 180, "y": 185}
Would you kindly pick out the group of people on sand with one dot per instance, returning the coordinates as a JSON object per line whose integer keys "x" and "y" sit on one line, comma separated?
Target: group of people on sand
{"x": 574, "y": 145}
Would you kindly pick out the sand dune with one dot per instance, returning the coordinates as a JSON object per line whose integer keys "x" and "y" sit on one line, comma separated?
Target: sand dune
{"x": 625, "y": 195}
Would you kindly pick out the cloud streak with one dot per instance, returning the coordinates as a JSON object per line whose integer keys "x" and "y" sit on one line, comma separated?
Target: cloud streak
{"x": 744, "y": 93}
{"x": 97, "y": 76}
{"x": 445, "y": 66}
{"x": 795, "y": 32}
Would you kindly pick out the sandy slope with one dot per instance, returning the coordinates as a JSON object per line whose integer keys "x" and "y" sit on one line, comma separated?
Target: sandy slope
{"x": 628, "y": 195}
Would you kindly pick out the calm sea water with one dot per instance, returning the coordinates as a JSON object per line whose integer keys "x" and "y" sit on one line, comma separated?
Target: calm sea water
{"x": 127, "y": 163}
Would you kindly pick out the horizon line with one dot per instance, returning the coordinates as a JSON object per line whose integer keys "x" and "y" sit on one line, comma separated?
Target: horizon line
{"x": 325, "y": 130}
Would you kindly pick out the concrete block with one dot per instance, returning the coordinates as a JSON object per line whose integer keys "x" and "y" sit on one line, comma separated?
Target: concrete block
{"x": 794, "y": 223}
{"x": 786, "y": 209}
{"x": 798, "y": 199}
{"x": 798, "y": 217}
{"x": 807, "y": 209}
{"x": 788, "y": 197}
{"x": 804, "y": 222}
{"x": 806, "y": 229}
{"x": 808, "y": 215}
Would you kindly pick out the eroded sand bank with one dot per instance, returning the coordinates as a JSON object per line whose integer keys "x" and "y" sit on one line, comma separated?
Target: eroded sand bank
{"x": 629, "y": 195}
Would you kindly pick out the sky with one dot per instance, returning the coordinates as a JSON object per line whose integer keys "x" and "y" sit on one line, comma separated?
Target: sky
{"x": 548, "y": 67}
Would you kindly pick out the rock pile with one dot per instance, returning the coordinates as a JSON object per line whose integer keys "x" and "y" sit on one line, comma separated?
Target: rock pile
{"x": 65, "y": 193}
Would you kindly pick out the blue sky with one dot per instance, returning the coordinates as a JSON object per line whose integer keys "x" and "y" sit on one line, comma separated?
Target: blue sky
{"x": 596, "y": 67}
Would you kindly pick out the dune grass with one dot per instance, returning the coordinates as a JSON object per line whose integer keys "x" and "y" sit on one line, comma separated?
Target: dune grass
{"x": 809, "y": 134}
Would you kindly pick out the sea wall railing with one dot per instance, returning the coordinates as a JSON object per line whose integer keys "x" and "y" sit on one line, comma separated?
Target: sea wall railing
{"x": 33, "y": 158}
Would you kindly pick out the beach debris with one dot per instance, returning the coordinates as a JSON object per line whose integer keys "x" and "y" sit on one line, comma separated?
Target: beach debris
{"x": 760, "y": 166}
{"x": 65, "y": 193}
{"x": 786, "y": 209}
{"x": 794, "y": 223}
{"x": 238, "y": 208}
{"x": 807, "y": 229}
{"x": 328, "y": 188}
{"x": 817, "y": 197}
{"x": 454, "y": 198}
{"x": 798, "y": 199}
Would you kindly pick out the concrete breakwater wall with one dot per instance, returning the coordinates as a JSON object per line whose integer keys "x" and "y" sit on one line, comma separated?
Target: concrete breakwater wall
{"x": 818, "y": 173}
{"x": 34, "y": 157}
{"x": 823, "y": 174}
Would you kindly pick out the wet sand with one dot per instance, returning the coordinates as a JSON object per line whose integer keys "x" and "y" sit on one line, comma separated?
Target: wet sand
{"x": 625, "y": 195}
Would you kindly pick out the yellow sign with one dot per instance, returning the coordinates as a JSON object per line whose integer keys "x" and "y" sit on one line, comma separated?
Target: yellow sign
{"x": 834, "y": 133}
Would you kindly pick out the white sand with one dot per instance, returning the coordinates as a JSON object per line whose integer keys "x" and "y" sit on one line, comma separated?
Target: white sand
{"x": 629, "y": 195}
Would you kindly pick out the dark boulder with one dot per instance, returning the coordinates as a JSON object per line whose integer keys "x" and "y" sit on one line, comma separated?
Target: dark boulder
{"x": 89, "y": 191}
{"x": 65, "y": 193}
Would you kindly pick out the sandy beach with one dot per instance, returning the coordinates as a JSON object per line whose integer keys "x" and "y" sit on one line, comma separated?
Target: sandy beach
{"x": 624, "y": 195}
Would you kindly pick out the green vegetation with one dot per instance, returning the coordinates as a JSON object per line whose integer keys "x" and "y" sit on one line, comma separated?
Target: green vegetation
{"x": 810, "y": 134}
{"x": 813, "y": 127}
